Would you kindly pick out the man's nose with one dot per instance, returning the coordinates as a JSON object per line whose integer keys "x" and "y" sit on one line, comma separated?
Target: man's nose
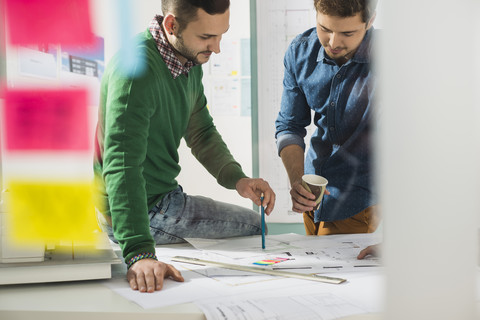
{"x": 334, "y": 41}
{"x": 214, "y": 45}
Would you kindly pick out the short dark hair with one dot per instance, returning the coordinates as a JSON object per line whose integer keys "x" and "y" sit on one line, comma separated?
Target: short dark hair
{"x": 185, "y": 11}
{"x": 346, "y": 8}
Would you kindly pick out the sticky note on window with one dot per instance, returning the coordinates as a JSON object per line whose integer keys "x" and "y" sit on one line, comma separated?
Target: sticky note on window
{"x": 49, "y": 211}
{"x": 49, "y": 21}
{"x": 46, "y": 120}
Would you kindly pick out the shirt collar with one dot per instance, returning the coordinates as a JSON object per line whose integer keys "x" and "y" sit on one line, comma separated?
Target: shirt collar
{"x": 173, "y": 64}
{"x": 362, "y": 55}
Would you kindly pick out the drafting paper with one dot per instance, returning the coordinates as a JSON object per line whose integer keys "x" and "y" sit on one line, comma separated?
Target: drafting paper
{"x": 49, "y": 21}
{"x": 46, "y": 120}
{"x": 213, "y": 288}
{"x": 326, "y": 254}
{"x": 325, "y": 306}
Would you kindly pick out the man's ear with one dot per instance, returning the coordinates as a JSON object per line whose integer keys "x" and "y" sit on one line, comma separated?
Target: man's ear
{"x": 169, "y": 23}
{"x": 372, "y": 19}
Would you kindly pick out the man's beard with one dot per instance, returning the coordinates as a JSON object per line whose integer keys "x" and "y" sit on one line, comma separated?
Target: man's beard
{"x": 186, "y": 52}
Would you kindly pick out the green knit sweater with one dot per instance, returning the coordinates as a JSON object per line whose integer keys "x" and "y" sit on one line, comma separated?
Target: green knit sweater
{"x": 141, "y": 123}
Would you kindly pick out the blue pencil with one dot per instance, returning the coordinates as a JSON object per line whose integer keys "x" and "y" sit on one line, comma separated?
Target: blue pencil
{"x": 262, "y": 210}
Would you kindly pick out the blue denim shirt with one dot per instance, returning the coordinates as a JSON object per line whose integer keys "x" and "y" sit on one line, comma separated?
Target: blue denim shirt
{"x": 341, "y": 98}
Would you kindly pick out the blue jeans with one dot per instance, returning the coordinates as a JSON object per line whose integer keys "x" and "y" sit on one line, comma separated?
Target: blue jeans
{"x": 178, "y": 216}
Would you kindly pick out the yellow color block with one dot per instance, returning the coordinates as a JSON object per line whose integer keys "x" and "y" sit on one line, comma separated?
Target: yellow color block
{"x": 52, "y": 211}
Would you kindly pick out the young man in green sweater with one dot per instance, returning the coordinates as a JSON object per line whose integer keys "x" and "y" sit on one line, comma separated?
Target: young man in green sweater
{"x": 141, "y": 122}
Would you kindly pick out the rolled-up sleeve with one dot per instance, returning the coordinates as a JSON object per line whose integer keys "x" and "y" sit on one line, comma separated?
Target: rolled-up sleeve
{"x": 295, "y": 114}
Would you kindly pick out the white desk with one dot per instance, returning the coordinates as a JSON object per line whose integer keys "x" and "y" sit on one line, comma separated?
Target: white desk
{"x": 93, "y": 300}
{"x": 89, "y": 300}
{"x": 80, "y": 300}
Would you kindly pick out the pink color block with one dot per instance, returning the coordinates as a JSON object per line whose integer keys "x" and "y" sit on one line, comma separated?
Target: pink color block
{"x": 64, "y": 22}
{"x": 46, "y": 120}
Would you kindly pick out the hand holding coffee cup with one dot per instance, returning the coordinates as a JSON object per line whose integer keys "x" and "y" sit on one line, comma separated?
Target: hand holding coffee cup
{"x": 316, "y": 185}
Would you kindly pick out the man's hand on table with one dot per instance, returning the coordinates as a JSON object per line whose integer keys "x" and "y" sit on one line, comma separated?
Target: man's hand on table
{"x": 147, "y": 275}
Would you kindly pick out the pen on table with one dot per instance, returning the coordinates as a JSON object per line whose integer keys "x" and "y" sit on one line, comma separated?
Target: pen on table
{"x": 367, "y": 266}
{"x": 285, "y": 268}
{"x": 262, "y": 210}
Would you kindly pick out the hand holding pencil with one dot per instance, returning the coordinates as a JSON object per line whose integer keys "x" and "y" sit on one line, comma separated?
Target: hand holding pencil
{"x": 253, "y": 189}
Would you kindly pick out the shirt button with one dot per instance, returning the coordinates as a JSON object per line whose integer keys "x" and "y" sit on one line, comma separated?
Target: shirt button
{"x": 339, "y": 76}
{"x": 332, "y": 128}
{"x": 332, "y": 103}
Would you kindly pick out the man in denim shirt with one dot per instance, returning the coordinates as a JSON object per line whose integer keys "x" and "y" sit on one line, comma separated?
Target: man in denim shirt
{"x": 328, "y": 70}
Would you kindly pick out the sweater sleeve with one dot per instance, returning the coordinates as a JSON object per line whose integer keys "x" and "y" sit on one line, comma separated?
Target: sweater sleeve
{"x": 208, "y": 147}
{"x": 126, "y": 125}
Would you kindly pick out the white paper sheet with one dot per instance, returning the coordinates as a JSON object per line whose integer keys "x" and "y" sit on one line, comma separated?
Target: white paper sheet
{"x": 217, "y": 288}
{"x": 327, "y": 254}
{"x": 296, "y": 299}
{"x": 323, "y": 306}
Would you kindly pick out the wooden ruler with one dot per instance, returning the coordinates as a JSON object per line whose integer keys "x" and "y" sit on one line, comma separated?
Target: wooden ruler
{"x": 312, "y": 277}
